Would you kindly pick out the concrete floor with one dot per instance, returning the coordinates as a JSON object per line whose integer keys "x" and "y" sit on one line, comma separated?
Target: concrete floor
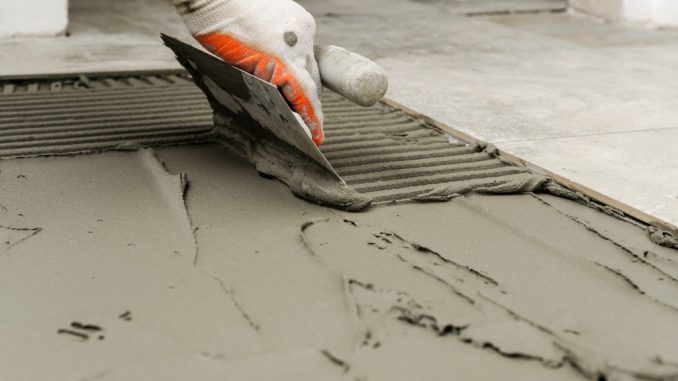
{"x": 592, "y": 102}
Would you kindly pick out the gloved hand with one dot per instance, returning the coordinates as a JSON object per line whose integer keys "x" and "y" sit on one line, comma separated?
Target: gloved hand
{"x": 271, "y": 39}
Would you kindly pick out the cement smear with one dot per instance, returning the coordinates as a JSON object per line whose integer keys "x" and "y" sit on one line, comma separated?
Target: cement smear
{"x": 236, "y": 278}
{"x": 272, "y": 157}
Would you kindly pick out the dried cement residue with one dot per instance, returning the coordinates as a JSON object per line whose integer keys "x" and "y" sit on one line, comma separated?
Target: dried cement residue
{"x": 258, "y": 284}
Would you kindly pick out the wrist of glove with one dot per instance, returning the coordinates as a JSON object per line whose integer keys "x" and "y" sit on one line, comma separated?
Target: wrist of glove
{"x": 270, "y": 39}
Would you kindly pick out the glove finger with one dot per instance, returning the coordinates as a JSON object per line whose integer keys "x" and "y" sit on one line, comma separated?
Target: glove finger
{"x": 301, "y": 92}
{"x": 297, "y": 85}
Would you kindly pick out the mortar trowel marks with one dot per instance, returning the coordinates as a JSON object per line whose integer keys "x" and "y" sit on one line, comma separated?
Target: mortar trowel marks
{"x": 254, "y": 120}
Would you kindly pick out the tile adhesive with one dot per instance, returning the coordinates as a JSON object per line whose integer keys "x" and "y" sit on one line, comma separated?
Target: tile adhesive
{"x": 370, "y": 155}
{"x": 181, "y": 262}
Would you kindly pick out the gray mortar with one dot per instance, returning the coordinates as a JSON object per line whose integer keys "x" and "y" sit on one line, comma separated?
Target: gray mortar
{"x": 483, "y": 288}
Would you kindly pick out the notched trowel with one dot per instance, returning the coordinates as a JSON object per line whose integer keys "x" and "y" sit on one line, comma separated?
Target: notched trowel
{"x": 253, "y": 119}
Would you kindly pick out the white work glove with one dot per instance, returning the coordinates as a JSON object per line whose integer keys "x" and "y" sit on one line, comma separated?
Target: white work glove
{"x": 271, "y": 39}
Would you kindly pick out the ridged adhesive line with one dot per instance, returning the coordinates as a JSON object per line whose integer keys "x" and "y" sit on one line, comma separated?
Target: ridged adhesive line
{"x": 110, "y": 144}
{"x": 437, "y": 178}
{"x": 100, "y": 94}
{"x": 377, "y": 159}
{"x": 407, "y": 193}
{"x": 417, "y": 172}
{"x": 177, "y": 107}
{"x": 474, "y": 159}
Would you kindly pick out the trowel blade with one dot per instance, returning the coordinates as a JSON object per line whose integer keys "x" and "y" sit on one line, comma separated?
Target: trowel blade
{"x": 251, "y": 102}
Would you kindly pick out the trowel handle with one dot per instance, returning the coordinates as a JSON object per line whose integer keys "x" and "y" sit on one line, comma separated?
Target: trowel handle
{"x": 351, "y": 75}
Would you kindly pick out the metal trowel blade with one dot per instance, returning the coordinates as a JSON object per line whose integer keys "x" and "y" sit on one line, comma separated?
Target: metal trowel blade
{"x": 251, "y": 102}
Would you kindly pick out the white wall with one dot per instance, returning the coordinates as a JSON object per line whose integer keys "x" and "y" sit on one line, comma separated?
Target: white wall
{"x": 33, "y": 17}
{"x": 665, "y": 12}
{"x": 658, "y": 12}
